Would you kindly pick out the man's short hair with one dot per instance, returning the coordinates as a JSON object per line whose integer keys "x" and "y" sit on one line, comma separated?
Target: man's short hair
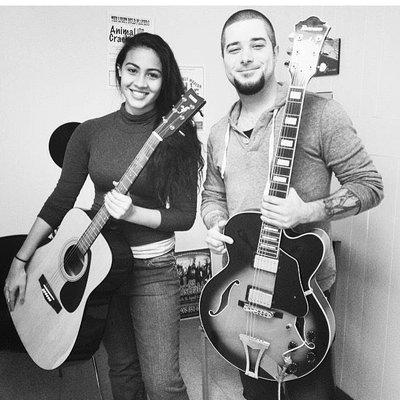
{"x": 247, "y": 14}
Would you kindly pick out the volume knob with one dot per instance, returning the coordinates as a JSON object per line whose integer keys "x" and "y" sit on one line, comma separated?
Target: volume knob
{"x": 292, "y": 368}
{"x": 311, "y": 336}
{"x": 292, "y": 345}
{"x": 311, "y": 357}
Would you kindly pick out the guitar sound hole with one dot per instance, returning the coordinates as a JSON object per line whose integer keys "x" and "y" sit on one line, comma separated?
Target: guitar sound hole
{"x": 73, "y": 262}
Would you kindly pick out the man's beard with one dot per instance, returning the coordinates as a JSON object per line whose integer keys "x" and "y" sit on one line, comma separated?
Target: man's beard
{"x": 249, "y": 89}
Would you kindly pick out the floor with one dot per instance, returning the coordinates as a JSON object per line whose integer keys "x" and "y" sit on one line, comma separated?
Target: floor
{"x": 21, "y": 379}
{"x": 223, "y": 378}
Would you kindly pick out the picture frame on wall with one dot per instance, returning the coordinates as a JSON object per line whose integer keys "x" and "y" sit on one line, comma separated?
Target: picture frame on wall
{"x": 194, "y": 270}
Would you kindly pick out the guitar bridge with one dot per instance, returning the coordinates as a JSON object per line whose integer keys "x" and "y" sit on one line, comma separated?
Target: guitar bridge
{"x": 253, "y": 343}
{"x": 49, "y": 295}
{"x": 259, "y": 310}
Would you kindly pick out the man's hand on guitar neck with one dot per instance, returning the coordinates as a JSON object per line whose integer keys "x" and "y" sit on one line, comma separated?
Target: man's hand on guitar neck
{"x": 290, "y": 211}
{"x": 216, "y": 239}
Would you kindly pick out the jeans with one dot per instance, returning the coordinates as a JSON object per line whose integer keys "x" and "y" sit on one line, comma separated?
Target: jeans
{"x": 142, "y": 333}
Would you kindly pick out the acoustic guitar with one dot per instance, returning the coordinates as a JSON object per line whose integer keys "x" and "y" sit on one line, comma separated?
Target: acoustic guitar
{"x": 264, "y": 312}
{"x": 63, "y": 273}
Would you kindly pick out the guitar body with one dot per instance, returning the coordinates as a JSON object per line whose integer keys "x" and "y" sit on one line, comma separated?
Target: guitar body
{"x": 67, "y": 293}
{"x": 293, "y": 333}
{"x": 59, "y": 285}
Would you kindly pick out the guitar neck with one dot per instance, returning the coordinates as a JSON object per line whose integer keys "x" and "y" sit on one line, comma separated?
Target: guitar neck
{"x": 281, "y": 167}
{"x": 189, "y": 104}
{"x": 102, "y": 216}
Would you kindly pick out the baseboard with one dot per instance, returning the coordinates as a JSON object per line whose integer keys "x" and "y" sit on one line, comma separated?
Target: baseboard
{"x": 340, "y": 395}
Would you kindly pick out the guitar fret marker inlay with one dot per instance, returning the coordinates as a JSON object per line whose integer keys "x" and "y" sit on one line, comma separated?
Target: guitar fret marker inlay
{"x": 287, "y": 143}
{"x": 295, "y": 94}
{"x": 283, "y": 162}
{"x": 291, "y": 121}
{"x": 278, "y": 178}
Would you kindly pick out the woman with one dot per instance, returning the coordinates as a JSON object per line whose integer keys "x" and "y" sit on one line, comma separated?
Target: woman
{"x": 142, "y": 333}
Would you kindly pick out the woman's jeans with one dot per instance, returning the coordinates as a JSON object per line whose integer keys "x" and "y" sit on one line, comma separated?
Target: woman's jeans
{"x": 142, "y": 333}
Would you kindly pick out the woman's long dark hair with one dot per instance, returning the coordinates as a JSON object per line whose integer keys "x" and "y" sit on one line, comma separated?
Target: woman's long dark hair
{"x": 177, "y": 162}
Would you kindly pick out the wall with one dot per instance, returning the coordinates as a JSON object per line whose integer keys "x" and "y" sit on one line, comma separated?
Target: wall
{"x": 53, "y": 70}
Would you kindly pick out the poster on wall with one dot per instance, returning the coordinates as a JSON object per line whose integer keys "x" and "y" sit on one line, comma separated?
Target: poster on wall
{"x": 194, "y": 270}
{"x": 119, "y": 27}
{"x": 193, "y": 78}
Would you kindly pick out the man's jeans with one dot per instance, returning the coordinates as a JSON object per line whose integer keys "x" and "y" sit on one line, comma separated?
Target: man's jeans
{"x": 142, "y": 333}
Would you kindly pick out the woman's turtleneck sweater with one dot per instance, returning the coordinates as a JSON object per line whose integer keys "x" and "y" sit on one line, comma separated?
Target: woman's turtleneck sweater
{"x": 104, "y": 148}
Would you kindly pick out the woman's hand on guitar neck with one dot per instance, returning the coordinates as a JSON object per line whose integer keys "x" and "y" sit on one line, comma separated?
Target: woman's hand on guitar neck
{"x": 216, "y": 239}
{"x": 119, "y": 205}
{"x": 14, "y": 287}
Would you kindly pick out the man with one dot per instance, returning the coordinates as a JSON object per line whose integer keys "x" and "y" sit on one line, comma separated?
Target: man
{"x": 240, "y": 148}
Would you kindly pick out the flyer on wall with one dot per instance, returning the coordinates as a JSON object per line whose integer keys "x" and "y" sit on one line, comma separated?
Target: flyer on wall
{"x": 119, "y": 27}
{"x": 194, "y": 270}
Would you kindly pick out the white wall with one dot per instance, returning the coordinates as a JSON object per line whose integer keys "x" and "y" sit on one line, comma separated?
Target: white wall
{"x": 53, "y": 69}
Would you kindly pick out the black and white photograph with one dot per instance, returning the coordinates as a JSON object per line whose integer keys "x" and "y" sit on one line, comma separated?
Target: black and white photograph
{"x": 199, "y": 201}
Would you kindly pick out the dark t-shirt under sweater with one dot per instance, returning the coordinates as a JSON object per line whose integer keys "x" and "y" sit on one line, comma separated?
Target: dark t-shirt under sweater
{"x": 104, "y": 148}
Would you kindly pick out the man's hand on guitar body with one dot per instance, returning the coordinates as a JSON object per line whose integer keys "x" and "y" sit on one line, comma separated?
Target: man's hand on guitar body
{"x": 216, "y": 239}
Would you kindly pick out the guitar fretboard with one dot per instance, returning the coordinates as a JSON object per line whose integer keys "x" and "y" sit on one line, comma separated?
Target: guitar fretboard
{"x": 189, "y": 104}
{"x": 102, "y": 216}
{"x": 281, "y": 170}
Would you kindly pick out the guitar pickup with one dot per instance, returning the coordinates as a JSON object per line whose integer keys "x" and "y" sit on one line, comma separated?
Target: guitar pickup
{"x": 259, "y": 297}
{"x": 49, "y": 295}
{"x": 259, "y": 310}
{"x": 265, "y": 263}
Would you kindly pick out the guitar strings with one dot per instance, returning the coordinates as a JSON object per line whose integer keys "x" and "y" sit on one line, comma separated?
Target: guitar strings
{"x": 265, "y": 240}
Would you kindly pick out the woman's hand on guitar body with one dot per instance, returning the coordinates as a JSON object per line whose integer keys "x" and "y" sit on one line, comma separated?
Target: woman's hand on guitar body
{"x": 14, "y": 287}
{"x": 285, "y": 213}
{"x": 119, "y": 205}
{"x": 216, "y": 239}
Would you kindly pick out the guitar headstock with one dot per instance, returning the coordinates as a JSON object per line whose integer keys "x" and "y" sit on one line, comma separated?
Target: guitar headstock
{"x": 189, "y": 104}
{"x": 307, "y": 44}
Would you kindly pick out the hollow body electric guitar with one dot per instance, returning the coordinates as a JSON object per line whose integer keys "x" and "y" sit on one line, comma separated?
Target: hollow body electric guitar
{"x": 264, "y": 312}
{"x": 63, "y": 273}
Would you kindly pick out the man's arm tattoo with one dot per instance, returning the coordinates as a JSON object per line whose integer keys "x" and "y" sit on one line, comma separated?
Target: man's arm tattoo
{"x": 341, "y": 204}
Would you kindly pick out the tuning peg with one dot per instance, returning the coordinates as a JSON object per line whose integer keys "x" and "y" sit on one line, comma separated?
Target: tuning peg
{"x": 290, "y": 47}
{"x": 322, "y": 67}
